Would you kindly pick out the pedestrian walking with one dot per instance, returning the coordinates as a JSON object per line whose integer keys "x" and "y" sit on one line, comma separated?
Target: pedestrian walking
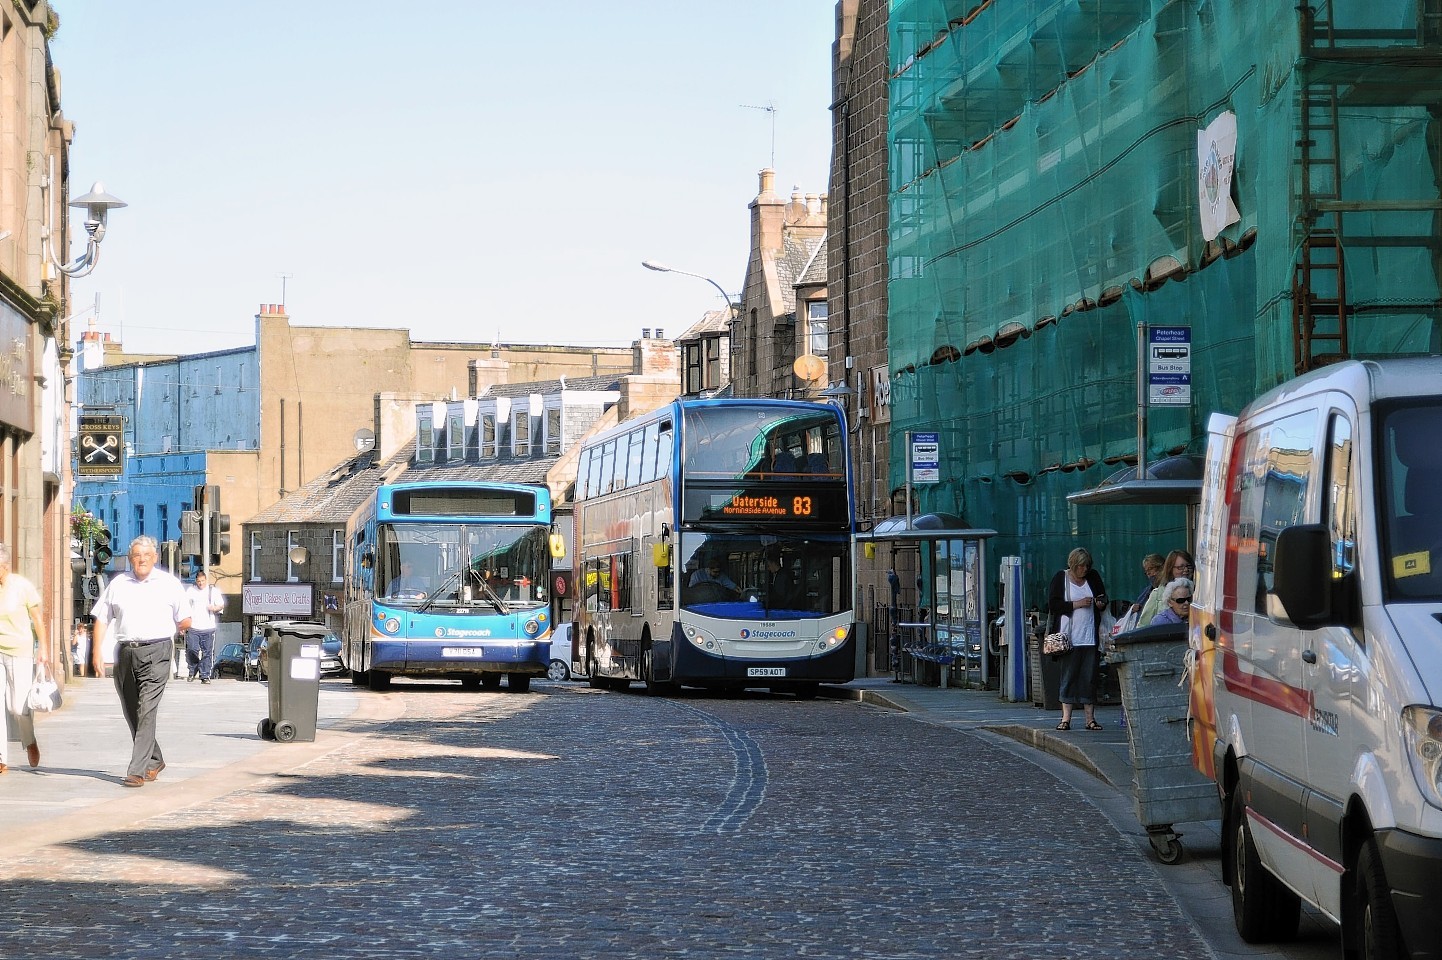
{"x": 206, "y": 602}
{"x": 143, "y": 607}
{"x": 22, "y": 645}
{"x": 80, "y": 648}
{"x": 1075, "y": 600}
{"x": 1179, "y": 564}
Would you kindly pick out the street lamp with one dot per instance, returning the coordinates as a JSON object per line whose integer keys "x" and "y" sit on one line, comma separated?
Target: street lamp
{"x": 97, "y": 204}
{"x": 662, "y": 268}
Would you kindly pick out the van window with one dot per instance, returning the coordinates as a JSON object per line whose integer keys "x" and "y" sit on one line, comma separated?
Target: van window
{"x": 1410, "y": 476}
{"x": 1270, "y": 494}
{"x": 1340, "y": 507}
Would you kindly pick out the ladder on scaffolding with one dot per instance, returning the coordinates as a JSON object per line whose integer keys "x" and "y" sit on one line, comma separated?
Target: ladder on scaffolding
{"x": 1319, "y": 278}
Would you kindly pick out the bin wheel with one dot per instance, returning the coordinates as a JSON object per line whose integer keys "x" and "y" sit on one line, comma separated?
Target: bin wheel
{"x": 265, "y": 729}
{"x": 1167, "y": 846}
{"x": 285, "y": 731}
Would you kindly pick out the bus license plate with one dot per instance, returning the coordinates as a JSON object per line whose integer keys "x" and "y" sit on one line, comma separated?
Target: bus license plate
{"x": 765, "y": 671}
{"x": 462, "y": 652}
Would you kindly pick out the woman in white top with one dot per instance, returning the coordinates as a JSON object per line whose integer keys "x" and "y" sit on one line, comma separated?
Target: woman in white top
{"x": 1075, "y": 601}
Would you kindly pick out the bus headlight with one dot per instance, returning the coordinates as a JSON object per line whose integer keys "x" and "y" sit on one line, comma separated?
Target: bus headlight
{"x": 700, "y": 638}
{"x": 391, "y": 626}
{"x": 1422, "y": 731}
{"x": 532, "y": 627}
{"x": 834, "y": 638}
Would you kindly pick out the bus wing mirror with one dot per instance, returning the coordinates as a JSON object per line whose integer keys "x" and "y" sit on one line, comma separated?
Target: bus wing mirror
{"x": 661, "y": 554}
{"x": 558, "y": 546}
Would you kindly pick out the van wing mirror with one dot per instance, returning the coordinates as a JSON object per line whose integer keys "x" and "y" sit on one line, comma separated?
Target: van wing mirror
{"x": 1302, "y": 577}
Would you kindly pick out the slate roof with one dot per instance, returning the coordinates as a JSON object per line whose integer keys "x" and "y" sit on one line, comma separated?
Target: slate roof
{"x": 815, "y": 271}
{"x": 334, "y": 496}
{"x": 519, "y": 470}
{"x": 796, "y": 254}
{"x": 551, "y": 387}
{"x": 712, "y": 321}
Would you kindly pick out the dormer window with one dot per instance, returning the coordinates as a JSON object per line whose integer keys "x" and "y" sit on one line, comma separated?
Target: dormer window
{"x": 521, "y": 433}
{"x": 488, "y": 436}
{"x": 553, "y": 430}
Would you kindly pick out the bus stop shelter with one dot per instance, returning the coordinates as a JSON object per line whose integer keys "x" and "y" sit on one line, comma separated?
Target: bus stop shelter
{"x": 944, "y": 636}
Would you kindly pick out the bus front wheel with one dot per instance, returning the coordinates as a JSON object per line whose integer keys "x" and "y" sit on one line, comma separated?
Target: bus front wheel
{"x": 379, "y": 681}
{"x": 490, "y": 681}
{"x": 518, "y": 682}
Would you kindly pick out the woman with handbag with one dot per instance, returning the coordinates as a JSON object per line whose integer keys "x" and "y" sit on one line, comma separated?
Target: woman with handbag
{"x": 22, "y": 623}
{"x": 1075, "y": 600}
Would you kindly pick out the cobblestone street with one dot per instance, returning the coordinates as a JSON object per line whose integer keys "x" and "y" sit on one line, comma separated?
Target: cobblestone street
{"x": 572, "y": 822}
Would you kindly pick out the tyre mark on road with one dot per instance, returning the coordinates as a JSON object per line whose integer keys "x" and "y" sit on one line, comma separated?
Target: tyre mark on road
{"x": 748, "y": 781}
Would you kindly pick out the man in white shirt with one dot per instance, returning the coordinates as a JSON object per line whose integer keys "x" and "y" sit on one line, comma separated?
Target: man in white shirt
{"x": 143, "y": 608}
{"x": 205, "y": 603}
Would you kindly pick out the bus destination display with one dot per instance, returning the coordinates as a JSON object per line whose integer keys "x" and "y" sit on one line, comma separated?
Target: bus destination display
{"x": 814, "y": 504}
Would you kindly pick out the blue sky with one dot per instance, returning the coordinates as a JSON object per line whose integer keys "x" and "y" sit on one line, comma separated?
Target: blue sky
{"x": 466, "y": 170}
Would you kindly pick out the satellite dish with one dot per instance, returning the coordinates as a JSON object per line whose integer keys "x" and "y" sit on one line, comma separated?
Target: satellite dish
{"x": 298, "y": 555}
{"x": 365, "y": 439}
{"x": 810, "y": 368}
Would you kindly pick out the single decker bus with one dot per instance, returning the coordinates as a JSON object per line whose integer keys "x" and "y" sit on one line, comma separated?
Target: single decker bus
{"x": 450, "y": 579}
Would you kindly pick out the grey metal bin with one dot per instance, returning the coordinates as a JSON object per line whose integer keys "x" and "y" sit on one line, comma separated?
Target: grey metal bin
{"x": 1167, "y": 789}
{"x": 292, "y": 667}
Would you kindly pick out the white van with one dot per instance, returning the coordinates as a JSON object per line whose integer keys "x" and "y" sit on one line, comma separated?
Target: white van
{"x": 1317, "y": 636}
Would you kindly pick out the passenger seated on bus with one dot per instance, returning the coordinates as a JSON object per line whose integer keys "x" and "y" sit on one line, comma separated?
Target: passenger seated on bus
{"x": 783, "y": 462}
{"x": 408, "y": 584}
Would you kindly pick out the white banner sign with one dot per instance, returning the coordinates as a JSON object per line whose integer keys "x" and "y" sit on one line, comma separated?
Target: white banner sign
{"x": 286, "y": 599}
{"x": 1216, "y": 155}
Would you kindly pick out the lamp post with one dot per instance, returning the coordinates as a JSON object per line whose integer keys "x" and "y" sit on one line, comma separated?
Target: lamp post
{"x": 97, "y": 205}
{"x": 662, "y": 268}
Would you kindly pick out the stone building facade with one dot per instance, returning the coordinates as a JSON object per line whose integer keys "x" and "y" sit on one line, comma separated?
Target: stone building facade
{"x": 34, "y": 356}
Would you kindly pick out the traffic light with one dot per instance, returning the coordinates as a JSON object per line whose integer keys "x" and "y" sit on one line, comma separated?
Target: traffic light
{"x": 190, "y": 533}
{"x": 219, "y": 536}
{"x": 100, "y": 553}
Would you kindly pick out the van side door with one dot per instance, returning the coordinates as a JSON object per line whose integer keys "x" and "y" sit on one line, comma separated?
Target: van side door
{"x": 1334, "y": 669}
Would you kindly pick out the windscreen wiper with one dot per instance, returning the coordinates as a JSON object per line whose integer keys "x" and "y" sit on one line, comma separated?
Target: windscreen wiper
{"x": 491, "y": 594}
{"x": 435, "y": 594}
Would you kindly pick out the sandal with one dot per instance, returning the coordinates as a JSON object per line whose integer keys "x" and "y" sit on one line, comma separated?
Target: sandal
{"x": 1093, "y": 725}
{"x": 1064, "y": 725}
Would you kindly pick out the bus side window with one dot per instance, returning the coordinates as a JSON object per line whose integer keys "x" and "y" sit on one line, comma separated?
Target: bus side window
{"x": 663, "y": 451}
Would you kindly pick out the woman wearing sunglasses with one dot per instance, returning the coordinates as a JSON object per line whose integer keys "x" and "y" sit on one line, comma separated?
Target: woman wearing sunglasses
{"x": 1176, "y": 602}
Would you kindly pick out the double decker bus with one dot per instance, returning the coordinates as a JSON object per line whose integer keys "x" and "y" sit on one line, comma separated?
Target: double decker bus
{"x": 450, "y": 579}
{"x": 713, "y": 549}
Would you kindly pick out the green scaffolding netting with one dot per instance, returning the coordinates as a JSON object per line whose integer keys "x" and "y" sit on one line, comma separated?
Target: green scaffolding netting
{"x": 1044, "y": 202}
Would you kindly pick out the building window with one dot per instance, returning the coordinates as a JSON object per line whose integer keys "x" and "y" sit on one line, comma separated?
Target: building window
{"x": 521, "y": 434}
{"x": 751, "y": 347}
{"x": 163, "y": 512}
{"x": 818, "y": 331}
{"x": 693, "y": 367}
{"x": 337, "y": 555}
{"x": 254, "y": 556}
{"x": 292, "y": 540}
{"x": 455, "y": 435}
{"x": 425, "y": 437}
{"x": 488, "y": 436}
{"x": 139, "y": 521}
{"x": 712, "y": 377}
{"x": 553, "y": 429}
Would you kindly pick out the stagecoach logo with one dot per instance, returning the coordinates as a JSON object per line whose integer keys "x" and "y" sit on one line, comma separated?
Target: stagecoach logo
{"x": 767, "y": 634}
{"x": 444, "y": 632}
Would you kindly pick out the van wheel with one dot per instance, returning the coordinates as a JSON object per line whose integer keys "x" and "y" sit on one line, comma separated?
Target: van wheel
{"x": 1379, "y": 935}
{"x": 1264, "y": 910}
